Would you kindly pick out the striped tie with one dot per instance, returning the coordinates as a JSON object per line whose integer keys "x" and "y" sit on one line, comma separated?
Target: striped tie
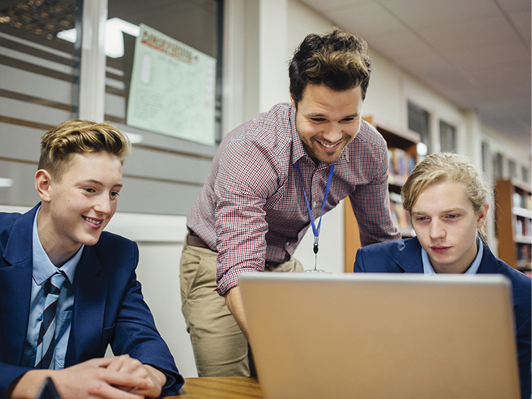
{"x": 46, "y": 342}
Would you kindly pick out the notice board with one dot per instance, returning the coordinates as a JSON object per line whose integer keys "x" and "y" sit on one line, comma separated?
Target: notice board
{"x": 172, "y": 88}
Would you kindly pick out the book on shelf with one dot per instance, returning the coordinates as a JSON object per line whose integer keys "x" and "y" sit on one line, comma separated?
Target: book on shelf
{"x": 523, "y": 254}
{"x": 519, "y": 227}
{"x": 527, "y": 227}
{"x": 399, "y": 215}
{"x": 516, "y": 200}
{"x": 400, "y": 163}
{"x": 523, "y": 227}
{"x": 522, "y": 200}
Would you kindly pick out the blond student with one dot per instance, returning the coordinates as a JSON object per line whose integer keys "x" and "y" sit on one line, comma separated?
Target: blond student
{"x": 447, "y": 200}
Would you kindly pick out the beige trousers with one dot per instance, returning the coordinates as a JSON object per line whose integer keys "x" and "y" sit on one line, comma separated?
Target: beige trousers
{"x": 220, "y": 348}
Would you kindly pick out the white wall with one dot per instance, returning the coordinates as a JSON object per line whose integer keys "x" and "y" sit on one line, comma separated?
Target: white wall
{"x": 160, "y": 240}
{"x": 158, "y": 271}
{"x": 302, "y": 21}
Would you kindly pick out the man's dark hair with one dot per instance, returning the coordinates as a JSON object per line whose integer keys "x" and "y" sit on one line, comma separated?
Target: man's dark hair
{"x": 337, "y": 59}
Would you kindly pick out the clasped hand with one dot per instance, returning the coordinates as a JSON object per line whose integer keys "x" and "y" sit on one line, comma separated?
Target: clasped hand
{"x": 120, "y": 377}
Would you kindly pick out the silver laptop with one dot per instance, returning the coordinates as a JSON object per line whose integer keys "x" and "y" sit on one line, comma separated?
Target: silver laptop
{"x": 381, "y": 335}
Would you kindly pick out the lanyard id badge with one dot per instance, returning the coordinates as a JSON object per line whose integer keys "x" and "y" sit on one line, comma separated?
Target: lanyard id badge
{"x": 316, "y": 230}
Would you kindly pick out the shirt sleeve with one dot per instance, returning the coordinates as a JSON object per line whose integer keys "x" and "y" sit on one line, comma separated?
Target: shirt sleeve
{"x": 371, "y": 202}
{"x": 8, "y": 374}
{"x": 248, "y": 176}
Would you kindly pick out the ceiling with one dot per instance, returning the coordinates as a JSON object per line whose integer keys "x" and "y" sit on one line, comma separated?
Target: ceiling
{"x": 475, "y": 53}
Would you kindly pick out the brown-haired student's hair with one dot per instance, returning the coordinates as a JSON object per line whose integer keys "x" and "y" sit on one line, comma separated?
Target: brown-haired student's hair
{"x": 78, "y": 137}
{"x": 337, "y": 59}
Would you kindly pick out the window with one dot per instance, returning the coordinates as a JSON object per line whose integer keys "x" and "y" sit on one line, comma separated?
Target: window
{"x": 419, "y": 121}
{"x": 172, "y": 166}
{"x": 39, "y": 64}
{"x": 195, "y": 23}
{"x": 497, "y": 166}
{"x": 512, "y": 167}
{"x": 485, "y": 155}
{"x": 38, "y": 89}
{"x": 447, "y": 137}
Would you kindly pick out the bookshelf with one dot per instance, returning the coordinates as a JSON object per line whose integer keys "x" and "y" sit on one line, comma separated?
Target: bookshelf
{"x": 513, "y": 211}
{"x": 402, "y": 157}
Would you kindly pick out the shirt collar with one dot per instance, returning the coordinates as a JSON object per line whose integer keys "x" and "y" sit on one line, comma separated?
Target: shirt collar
{"x": 43, "y": 268}
{"x": 473, "y": 269}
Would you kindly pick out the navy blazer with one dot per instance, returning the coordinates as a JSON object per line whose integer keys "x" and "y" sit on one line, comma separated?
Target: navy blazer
{"x": 404, "y": 256}
{"x": 108, "y": 305}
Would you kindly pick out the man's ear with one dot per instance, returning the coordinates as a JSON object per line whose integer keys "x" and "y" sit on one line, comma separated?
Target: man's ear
{"x": 482, "y": 215}
{"x": 43, "y": 183}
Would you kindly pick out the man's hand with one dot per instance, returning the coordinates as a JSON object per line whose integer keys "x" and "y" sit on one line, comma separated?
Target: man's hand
{"x": 233, "y": 300}
{"x": 109, "y": 378}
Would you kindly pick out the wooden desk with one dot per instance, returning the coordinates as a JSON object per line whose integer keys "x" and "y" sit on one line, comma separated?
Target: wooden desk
{"x": 220, "y": 388}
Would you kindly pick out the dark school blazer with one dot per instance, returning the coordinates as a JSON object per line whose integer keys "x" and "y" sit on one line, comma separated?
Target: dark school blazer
{"x": 108, "y": 307}
{"x": 404, "y": 256}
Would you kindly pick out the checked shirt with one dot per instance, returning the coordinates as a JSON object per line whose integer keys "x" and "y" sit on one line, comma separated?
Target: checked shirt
{"x": 251, "y": 209}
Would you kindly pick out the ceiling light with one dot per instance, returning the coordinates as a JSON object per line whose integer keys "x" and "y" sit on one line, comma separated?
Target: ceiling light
{"x": 114, "y": 40}
{"x": 421, "y": 148}
{"x": 134, "y": 137}
{"x": 6, "y": 182}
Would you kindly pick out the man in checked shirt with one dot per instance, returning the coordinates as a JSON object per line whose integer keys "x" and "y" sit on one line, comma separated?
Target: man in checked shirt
{"x": 251, "y": 213}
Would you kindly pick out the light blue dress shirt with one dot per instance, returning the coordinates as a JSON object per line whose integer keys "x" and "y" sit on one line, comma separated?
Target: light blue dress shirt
{"x": 428, "y": 269}
{"x": 43, "y": 269}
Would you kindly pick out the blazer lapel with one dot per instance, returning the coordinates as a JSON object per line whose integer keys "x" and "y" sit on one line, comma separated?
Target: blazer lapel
{"x": 489, "y": 263}
{"x": 89, "y": 309}
{"x": 15, "y": 287}
{"x": 409, "y": 258}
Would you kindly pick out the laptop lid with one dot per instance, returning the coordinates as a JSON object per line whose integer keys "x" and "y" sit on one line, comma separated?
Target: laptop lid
{"x": 381, "y": 335}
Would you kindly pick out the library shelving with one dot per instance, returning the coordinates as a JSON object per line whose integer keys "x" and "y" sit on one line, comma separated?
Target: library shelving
{"x": 513, "y": 210}
{"x": 402, "y": 157}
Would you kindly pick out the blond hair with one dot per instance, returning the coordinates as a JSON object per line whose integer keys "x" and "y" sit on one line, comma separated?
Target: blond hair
{"x": 446, "y": 167}
{"x": 78, "y": 137}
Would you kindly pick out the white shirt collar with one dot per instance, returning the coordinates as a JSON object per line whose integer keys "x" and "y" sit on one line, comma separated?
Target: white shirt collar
{"x": 43, "y": 268}
{"x": 473, "y": 269}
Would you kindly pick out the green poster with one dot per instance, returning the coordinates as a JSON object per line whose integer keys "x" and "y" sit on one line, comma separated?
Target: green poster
{"x": 172, "y": 88}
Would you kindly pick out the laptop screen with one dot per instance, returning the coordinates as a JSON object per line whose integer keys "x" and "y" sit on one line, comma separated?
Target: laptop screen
{"x": 381, "y": 335}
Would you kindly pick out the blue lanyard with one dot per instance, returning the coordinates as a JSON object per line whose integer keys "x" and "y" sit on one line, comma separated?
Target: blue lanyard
{"x": 316, "y": 230}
